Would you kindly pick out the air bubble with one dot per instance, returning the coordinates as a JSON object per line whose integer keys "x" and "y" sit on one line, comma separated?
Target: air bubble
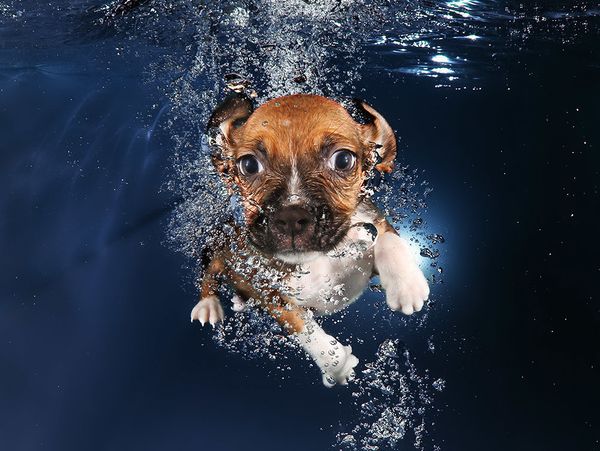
{"x": 439, "y": 384}
{"x": 429, "y": 253}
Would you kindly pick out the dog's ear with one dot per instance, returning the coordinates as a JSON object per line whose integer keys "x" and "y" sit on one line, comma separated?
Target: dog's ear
{"x": 222, "y": 126}
{"x": 375, "y": 130}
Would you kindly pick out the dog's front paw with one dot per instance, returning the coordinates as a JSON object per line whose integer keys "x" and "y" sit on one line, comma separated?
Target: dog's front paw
{"x": 340, "y": 368}
{"x": 408, "y": 292}
{"x": 403, "y": 281}
{"x": 208, "y": 310}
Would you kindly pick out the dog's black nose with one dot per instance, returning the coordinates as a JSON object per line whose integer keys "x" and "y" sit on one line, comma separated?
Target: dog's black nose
{"x": 292, "y": 221}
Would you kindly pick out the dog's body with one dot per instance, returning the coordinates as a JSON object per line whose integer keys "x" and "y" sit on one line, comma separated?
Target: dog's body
{"x": 299, "y": 164}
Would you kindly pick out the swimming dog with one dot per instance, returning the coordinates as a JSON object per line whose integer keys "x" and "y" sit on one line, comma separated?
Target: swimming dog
{"x": 299, "y": 166}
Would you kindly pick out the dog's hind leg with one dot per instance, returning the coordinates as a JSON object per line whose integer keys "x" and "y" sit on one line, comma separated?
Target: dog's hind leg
{"x": 335, "y": 361}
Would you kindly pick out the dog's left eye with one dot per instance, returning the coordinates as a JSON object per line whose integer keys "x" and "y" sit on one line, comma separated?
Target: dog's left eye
{"x": 249, "y": 165}
{"x": 342, "y": 160}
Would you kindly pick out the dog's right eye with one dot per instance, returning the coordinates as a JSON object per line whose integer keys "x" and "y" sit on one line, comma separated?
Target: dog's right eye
{"x": 249, "y": 165}
{"x": 343, "y": 160}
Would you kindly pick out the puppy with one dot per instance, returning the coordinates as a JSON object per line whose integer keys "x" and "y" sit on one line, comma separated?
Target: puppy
{"x": 311, "y": 238}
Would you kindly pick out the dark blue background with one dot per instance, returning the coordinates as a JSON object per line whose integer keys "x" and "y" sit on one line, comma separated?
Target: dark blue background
{"x": 96, "y": 348}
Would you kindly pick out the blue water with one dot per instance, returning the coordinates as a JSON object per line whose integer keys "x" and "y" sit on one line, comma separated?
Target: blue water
{"x": 496, "y": 105}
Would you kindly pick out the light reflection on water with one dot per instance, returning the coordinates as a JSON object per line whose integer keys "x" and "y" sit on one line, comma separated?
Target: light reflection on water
{"x": 404, "y": 36}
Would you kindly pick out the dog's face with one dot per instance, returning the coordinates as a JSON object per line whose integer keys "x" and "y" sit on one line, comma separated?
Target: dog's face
{"x": 299, "y": 163}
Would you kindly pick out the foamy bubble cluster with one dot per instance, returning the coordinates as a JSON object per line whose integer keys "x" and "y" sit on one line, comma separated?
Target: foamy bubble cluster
{"x": 393, "y": 399}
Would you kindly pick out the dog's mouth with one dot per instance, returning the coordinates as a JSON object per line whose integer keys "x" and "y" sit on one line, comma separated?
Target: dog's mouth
{"x": 312, "y": 234}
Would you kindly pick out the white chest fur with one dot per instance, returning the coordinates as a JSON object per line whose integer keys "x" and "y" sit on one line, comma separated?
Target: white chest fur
{"x": 331, "y": 281}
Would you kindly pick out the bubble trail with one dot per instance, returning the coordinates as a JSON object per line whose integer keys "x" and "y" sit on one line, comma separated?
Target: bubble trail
{"x": 266, "y": 49}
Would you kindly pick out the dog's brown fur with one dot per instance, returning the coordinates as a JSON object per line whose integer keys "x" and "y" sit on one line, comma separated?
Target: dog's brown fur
{"x": 298, "y": 133}
{"x": 299, "y": 206}
{"x": 304, "y": 128}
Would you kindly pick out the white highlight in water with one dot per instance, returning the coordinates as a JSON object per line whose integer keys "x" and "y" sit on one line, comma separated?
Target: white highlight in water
{"x": 442, "y": 70}
{"x": 443, "y": 59}
{"x": 461, "y": 4}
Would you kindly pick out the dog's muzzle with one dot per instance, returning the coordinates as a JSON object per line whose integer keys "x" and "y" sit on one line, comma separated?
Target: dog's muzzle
{"x": 292, "y": 228}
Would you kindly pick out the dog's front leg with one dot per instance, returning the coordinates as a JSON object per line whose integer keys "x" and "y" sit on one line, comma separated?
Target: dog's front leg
{"x": 404, "y": 283}
{"x": 209, "y": 308}
{"x": 335, "y": 360}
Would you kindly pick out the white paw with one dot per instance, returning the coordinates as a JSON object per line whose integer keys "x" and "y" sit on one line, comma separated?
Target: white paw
{"x": 407, "y": 292}
{"x": 238, "y": 304}
{"x": 339, "y": 369}
{"x": 208, "y": 310}
{"x": 404, "y": 283}
{"x": 335, "y": 361}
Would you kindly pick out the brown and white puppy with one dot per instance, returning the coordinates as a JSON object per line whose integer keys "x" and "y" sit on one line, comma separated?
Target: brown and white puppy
{"x": 300, "y": 164}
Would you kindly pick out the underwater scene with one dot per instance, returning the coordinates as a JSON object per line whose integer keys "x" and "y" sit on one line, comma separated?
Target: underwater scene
{"x": 113, "y": 195}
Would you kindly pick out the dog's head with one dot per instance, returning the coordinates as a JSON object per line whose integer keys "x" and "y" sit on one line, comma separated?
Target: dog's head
{"x": 299, "y": 163}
